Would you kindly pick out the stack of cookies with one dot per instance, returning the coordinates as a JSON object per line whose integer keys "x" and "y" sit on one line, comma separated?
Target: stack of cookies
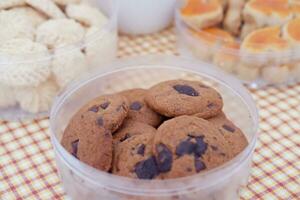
{"x": 174, "y": 129}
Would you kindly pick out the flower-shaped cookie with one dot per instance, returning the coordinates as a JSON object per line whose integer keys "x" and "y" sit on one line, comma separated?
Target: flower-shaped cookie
{"x": 59, "y": 32}
{"x": 28, "y": 13}
{"x": 14, "y": 25}
{"x": 18, "y": 69}
{"x": 68, "y": 65}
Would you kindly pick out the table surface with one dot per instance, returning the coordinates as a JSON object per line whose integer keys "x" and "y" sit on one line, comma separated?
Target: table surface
{"x": 28, "y": 169}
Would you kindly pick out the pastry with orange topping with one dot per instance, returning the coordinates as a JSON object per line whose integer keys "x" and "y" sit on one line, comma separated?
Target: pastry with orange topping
{"x": 210, "y": 39}
{"x": 200, "y": 14}
{"x": 295, "y": 6}
{"x": 261, "y": 13}
{"x": 291, "y": 32}
{"x": 264, "y": 40}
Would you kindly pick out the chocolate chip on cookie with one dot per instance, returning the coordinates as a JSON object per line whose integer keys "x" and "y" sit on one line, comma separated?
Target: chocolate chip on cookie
{"x": 146, "y": 169}
{"x": 134, "y": 158}
{"x": 181, "y": 97}
{"x": 164, "y": 157}
{"x": 183, "y": 145}
{"x": 138, "y": 109}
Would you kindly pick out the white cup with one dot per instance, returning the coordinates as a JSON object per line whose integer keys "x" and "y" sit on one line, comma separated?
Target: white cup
{"x": 145, "y": 16}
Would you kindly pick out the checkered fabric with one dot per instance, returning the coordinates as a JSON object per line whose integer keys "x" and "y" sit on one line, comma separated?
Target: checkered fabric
{"x": 28, "y": 170}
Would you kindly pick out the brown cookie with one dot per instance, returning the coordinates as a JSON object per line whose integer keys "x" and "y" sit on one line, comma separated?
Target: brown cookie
{"x": 90, "y": 129}
{"x": 233, "y": 135}
{"x": 181, "y": 97}
{"x": 130, "y": 128}
{"x": 85, "y": 140}
{"x": 108, "y": 110}
{"x": 133, "y": 157}
{"x": 138, "y": 109}
{"x": 187, "y": 145}
{"x": 70, "y": 136}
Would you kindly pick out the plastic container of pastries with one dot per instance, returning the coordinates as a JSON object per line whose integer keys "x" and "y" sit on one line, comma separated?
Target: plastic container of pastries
{"x": 81, "y": 181}
{"x": 44, "y": 45}
{"x": 256, "y": 40}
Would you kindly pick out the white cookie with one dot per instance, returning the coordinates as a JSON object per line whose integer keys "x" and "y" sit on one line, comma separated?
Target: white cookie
{"x": 66, "y": 2}
{"x": 30, "y": 14}
{"x": 59, "y": 32}
{"x": 37, "y": 99}
{"x": 85, "y": 14}
{"x": 14, "y": 26}
{"x": 23, "y": 64}
{"x": 100, "y": 43}
{"x": 233, "y": 18}
{"x": 7, "y": 96}
{"x": 66, "y": 67}
{"x": 48, "y": 7}
{"x": 5, "y": 4}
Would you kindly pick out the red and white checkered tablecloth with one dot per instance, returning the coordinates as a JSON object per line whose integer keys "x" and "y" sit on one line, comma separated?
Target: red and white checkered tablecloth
{"x": 28, "y": 170}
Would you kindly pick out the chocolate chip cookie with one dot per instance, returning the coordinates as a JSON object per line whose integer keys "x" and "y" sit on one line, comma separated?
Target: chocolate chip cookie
{"x": 130, "y": 128}
{"x": 182, "y": 97}
{"x": 232, "y": 134}
{"x": 108, "y": 111}
{"x": 134, "y": 158}
{"x": 138, "y": 109}
{"x": 187, "y": 145}
{"x": 85, "y": 139}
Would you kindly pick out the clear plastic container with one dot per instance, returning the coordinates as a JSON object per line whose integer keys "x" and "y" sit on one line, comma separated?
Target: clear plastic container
{"x": 257, "y": 69}
{"x": 81, "y": 181}
{"x": 32, "y": 96}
